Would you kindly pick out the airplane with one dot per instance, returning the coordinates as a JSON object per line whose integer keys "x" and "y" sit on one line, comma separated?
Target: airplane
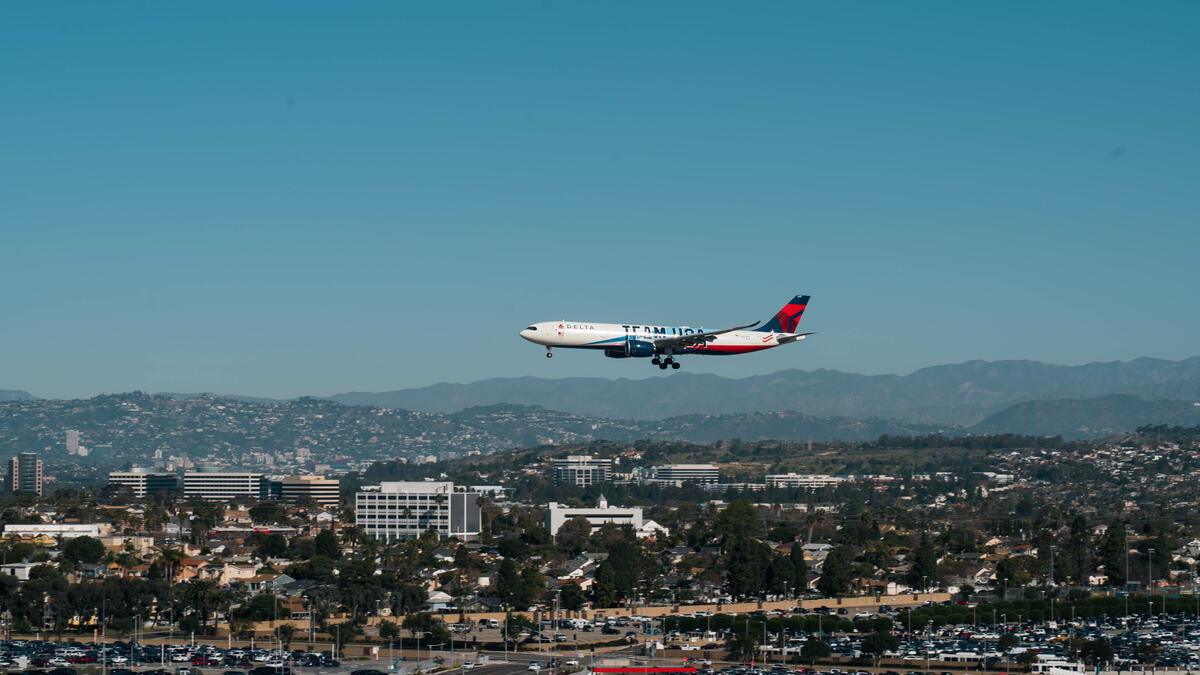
{"x": 661, "y": 344}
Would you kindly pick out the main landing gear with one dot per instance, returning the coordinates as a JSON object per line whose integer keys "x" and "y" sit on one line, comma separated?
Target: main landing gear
{"x": 663, "y": 363}
{"x": 548, "y": 354}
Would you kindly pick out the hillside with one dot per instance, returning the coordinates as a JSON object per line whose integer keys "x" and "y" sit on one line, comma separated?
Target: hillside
{"x": 959, "y": 394}
{"x": 1088, "y": 418}
{"x": 130, "y": 428}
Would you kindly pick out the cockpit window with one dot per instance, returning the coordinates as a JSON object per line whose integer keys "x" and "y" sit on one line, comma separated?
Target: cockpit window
{"x": 532, "y": 328}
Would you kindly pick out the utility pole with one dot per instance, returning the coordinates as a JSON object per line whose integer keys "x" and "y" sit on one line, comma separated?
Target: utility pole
{"x": 1149, "y": 569}
{"x": 1051, "y": 566}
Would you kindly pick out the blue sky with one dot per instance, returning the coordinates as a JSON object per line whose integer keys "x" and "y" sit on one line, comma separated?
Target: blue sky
{"x": 311, "y": 197}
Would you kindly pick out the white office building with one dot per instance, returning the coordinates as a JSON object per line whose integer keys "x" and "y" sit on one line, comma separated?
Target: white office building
{"x": 223, "y": 486}
{"x": 691, "y": 473}
{"x": 806, "y": 481}
{"x": 63, "y": 530}
{"x": 602, "y": 514}
{"x": 406, "y": 510}
{"x": 582, "y": 470}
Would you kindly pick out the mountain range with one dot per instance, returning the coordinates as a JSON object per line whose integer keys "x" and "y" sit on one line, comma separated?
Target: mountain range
{"x": 1022, "y": 397}
{"x": 958, "y": 395}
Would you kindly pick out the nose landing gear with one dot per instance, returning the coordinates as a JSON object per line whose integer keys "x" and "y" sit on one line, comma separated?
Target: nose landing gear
{"x": 548, "y": 354}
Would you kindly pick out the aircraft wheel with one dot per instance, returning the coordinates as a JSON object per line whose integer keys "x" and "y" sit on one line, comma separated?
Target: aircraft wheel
{"x": 549, "y": 355}
{"x": 655, "y": 361}
{"x": 675, "y": 365}
{"x": 662, "y": 366}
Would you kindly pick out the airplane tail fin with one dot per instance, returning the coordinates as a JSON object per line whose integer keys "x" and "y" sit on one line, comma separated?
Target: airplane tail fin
{"x": 785, "y": 320}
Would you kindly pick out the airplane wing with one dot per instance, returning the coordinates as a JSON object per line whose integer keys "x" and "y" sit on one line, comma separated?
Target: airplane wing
{"x": 678, "y": 341}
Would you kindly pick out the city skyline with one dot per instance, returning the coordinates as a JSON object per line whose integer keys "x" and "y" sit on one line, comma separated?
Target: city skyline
{"x": 285, "y": 200}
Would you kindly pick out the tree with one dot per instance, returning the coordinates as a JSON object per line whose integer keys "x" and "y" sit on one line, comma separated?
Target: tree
{"x": 879, "y": 642}
{"x": 623, "y": 574}
{"x": 285, "y": 632}
{"x": 572, "y": 597}
{"x": 1148, "y": 652}
{"x": 422, "y": 624}
{"x": 326, "y": 544}
{"x": 799, "y": 569}
{"x": 814, "y": 648}
{"x": 1007, "y": 642}
{"x": 268, "y": 512}
{"x": 835, "y": 572}
{"x": 86, "y": 550}
{"x": 1011, "y": 573}
{"x": 510, "y": 585}
{"x": 270, "y": 545}
{"x": 924, "y": 563}
{"x": 739, "y": 518}
{"x": 1112, "y": 553}
{"x": 573, "y": 535}
{"x": 1096, "y": 652}
{"x": 388, "y": 630}
{"x": 744, "y": 643}
{"x": 514, "y": 624}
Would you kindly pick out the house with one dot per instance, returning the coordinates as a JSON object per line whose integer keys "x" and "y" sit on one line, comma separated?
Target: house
{"x": 438, "y": 601}
{"x": 267, "y": 583}
{"x": 577, "y": 569}
{"x": 19, "y": 570}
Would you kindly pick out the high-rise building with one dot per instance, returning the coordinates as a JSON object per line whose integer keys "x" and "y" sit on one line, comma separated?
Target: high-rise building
{"x": 695, "y": 473}
{"x": 582, "y": 470}
{"x": 72, "y": 441}
{"x": 299, "y": 489}
{"x": 221, "y": 486}
{"x": 407, "y": 510}
{"x": 145, "y": 482}
{"x": 25, "y": 473}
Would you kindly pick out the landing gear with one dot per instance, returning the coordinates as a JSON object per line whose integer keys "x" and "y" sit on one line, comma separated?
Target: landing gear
{"x": 662, "y": 363}
{"x": 548, "y": 354}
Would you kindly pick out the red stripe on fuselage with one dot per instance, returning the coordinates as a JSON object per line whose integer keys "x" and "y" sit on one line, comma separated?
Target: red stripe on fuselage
{"x": 727, "y": 349}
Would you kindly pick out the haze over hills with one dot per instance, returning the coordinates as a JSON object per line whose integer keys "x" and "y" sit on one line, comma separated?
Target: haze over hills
{"x": 978, "y": 397}
{"x": 960, "y": 394}
{"x": 1088, "y": 418}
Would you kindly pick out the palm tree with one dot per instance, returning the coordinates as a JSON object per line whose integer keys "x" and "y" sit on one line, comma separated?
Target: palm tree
{"x": 813, "y": 519}
{"x": 285, "y": 632}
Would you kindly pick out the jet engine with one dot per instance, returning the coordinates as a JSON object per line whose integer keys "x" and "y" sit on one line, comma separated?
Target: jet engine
{"x": 636, "y": 348}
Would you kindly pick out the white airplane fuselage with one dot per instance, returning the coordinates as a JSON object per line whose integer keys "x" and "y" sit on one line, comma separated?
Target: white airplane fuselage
{"x": 638, "y": 339}
{"x": 661, "y": 344}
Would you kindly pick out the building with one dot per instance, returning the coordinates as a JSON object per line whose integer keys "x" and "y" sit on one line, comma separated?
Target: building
{"x": 25, "y": 473}
{"x": 582, "y": 470}
{"x": 326, "y": 492}
{"x": 558, "y": 514}
{"x": 694, "y": 473}
{"x": 72, "y": 441}
{"x": 222, "y": 486}
{"x": 406, "y": 510}
{"x": 144, "y": 482}
{"x": 806, "y": 481}
{"x": 63, "y": 530}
